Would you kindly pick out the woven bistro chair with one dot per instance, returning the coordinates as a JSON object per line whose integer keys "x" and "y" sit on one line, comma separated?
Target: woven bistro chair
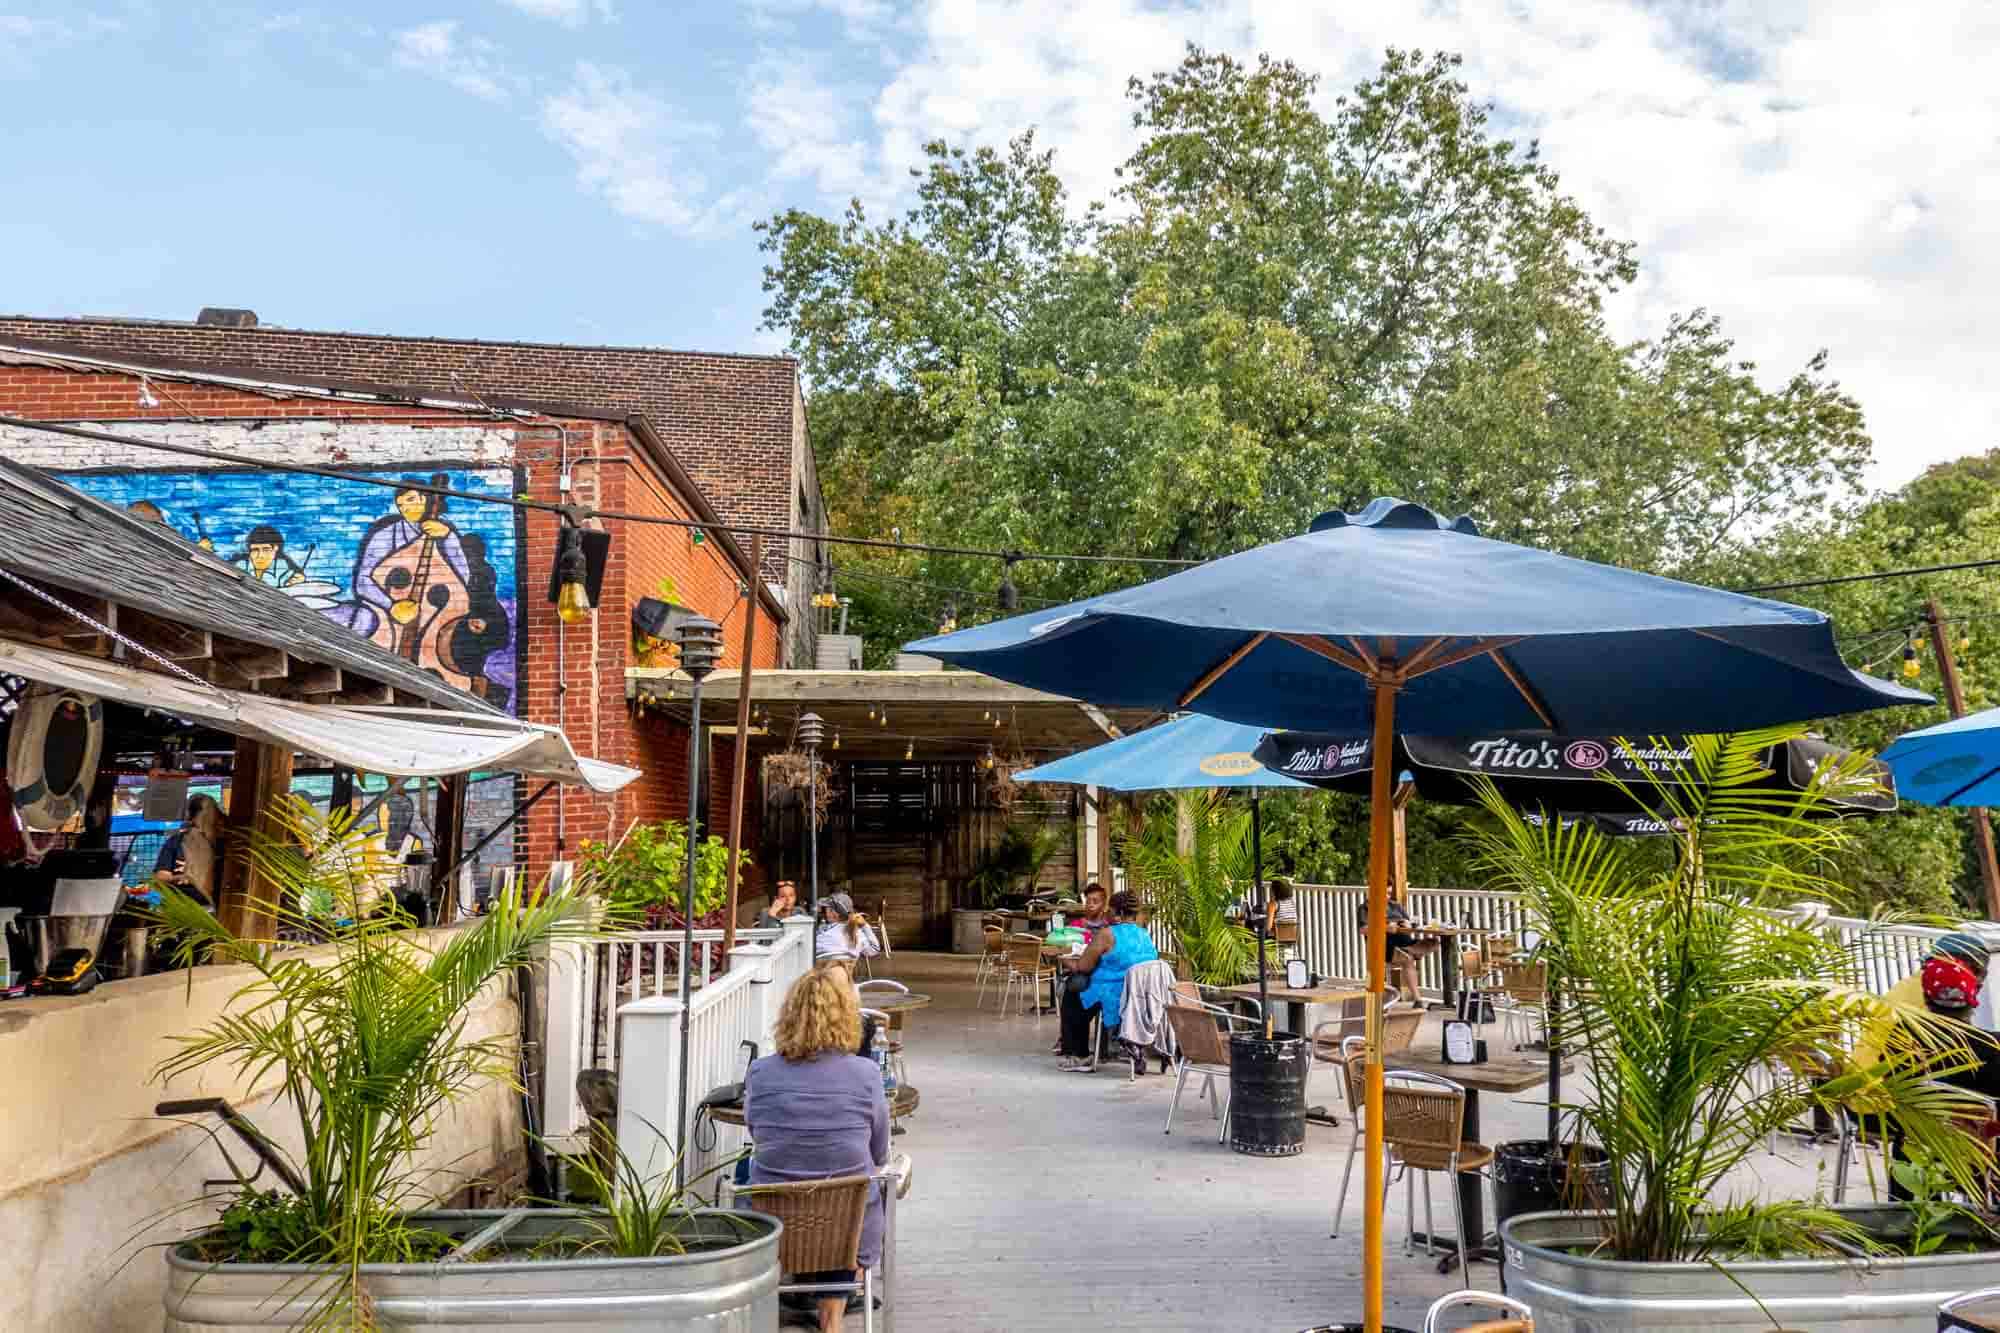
{"x": 1027, "y": 969}
{"x": 1201, "y": 1031}
{"x": 992, "y": 957}
{"x": 1399, "y": 1033}
{"x": 822, "y": 1234}
{"x": 1520, "y": 1319}
{"x": 1524, "y": 1001}
{"x": 1422, "y": 1117}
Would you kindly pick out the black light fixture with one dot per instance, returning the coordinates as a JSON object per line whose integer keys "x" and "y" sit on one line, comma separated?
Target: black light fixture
{"x": 572, "y": 596}
{"x": 1010, "y": 596}
{"x": 700, "y": 641}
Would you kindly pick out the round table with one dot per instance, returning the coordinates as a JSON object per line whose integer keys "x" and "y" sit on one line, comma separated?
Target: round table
{"x": 894, "y": 1002}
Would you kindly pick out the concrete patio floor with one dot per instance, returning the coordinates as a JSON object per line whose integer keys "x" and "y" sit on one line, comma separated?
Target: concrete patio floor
{"x": 1046, "y": 1200}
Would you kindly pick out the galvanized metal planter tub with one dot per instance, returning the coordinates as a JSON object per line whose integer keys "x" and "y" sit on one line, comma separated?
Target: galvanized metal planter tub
{"x": 731, "y": 1289}
{"x": 1570, "y": 1294}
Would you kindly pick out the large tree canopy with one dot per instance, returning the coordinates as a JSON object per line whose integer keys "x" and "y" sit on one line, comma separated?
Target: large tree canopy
{"x": 1286, "y": 305}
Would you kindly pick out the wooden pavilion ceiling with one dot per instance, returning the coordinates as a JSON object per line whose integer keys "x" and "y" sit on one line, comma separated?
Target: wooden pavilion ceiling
{"x": 927, "y": 714}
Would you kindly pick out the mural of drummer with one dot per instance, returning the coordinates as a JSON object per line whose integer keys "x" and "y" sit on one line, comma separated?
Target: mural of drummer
{"x": 264, "y": 558}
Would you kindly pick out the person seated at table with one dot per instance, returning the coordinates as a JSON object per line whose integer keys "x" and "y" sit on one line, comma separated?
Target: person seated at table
{"x": 1280, "y": 906}
{"x": 844, "y": 932}
{"x": 1110, "y": 955}
{"x": 784, "y": 905}
{"x": 814, "y": 1110}
{"x": 1412, "y": 948}
{"x": 1096, "y": 913}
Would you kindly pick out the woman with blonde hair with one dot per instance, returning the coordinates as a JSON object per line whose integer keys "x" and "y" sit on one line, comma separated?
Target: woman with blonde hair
{"x": 815, "y": 1109}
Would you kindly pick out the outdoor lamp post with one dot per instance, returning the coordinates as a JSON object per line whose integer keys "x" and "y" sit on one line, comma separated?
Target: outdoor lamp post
{"x": 811, "y": 732}
{"x": 700, "y": 641}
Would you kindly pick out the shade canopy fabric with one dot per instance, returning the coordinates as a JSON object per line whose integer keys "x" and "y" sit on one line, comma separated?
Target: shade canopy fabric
{"x": 1952, "y": 763}
{"x": 1594, "y": 647}
{"x": 400, "y": 742}
{"x": 1188, "y": 752}
{"x": 1564, "y": 774}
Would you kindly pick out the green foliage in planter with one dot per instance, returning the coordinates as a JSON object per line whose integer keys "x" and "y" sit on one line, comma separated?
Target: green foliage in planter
{"x": 1020, "y": 852}
{"x": 640, "y": 1216}
{"x": 366, "y": 1038}
{"x": 272, "y": 1227}
{"x": 1685, "y": 992}
{"x": 645, "y": 874}
{"x": 1191, "y": 891}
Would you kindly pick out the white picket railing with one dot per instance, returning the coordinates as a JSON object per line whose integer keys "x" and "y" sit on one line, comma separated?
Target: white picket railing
{"x": 741, "y": 1005}
{"x": 635, "y": 964}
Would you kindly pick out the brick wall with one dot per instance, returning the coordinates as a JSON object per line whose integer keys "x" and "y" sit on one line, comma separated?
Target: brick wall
{"x": 735, "y": 422}
{"x": 586, "y": 696}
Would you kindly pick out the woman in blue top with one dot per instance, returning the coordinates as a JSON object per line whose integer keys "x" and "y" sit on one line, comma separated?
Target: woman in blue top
{"x": 1112, "y": 953}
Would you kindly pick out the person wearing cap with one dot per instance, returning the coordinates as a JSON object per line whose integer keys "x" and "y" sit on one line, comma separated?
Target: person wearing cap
{"x": 843, "y": 932}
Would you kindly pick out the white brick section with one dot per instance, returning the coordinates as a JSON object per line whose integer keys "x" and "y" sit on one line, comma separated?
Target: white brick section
{"x": 343, "y": 444}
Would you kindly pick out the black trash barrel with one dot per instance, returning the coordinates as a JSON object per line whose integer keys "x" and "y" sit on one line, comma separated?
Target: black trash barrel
{"x": 1974, "y": 1312}
{"x": 1267, "y": 1095}
{"x": 1530, "y": 1178}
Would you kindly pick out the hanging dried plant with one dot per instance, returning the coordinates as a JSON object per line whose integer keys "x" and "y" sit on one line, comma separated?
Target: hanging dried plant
{"x": 1003, "y": 789}
{"x": 790, "y": 770}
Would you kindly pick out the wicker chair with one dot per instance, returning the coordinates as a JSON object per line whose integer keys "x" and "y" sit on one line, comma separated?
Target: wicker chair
{"x": 1524, "y": 1001}
{"x": 993, "y": 958}
{"x": 1201, "y": 1031}
{"x": 1422, "y": 1117}
{"x": 1520, "y": 1318}
{"x": 1399, "y": 1033}
{"x": 1027, "y": 969}
{"x": 823, "y": 1220}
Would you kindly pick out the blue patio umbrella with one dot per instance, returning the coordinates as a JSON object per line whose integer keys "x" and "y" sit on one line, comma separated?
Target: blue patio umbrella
{"x": 1952, "y": 763}
{"x": 1189, "y": 752}
{"x": 1399, "y": 616}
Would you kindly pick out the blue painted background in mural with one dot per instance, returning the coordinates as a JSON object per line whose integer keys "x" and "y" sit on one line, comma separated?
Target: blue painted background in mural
{"x": 436, "y": 585}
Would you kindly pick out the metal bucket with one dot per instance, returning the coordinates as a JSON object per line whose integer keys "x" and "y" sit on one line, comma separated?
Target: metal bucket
{"x": 730, "y": 1289}
{"x": 1267, "y": 1095}
{"x": 1572, "y": 1294}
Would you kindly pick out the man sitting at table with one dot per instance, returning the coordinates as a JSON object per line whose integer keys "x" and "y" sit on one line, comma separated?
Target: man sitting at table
{"x": 1111, "y": 954}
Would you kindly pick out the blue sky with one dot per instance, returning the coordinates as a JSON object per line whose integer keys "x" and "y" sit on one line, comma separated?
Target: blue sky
{"x": 1821, "y": 174}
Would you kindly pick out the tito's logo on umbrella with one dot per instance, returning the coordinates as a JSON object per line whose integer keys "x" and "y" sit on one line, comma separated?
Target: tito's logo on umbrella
{"x": 1237, "y": 765}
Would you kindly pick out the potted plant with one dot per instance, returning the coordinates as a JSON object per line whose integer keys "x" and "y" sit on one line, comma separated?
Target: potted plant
{"x": 641, "y": 876}
{"x": 1009, "y": 866}
{"x": 1191, "y": 860}
{"x": 367, "y": 1039}
{"x": 1709, "y": 1023}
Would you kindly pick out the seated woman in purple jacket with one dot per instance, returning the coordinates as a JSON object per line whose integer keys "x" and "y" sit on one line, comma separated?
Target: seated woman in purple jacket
{"x": 816, "y": 1109}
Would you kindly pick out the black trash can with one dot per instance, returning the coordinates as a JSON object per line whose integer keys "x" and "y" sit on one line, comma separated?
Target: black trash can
{"x": 1529, "y": 1177}
{"x": 1267, "y": 1094}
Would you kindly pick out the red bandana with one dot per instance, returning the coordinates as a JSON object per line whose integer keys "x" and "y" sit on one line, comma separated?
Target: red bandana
{"x": 1949, "y": 984}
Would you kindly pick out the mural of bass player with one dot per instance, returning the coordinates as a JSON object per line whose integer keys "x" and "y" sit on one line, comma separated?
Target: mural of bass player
{"x": 426, "y": 592}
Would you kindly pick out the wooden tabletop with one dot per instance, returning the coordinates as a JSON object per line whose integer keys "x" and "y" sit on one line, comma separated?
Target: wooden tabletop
{"x": 1451, "y": 930}
{"x": 1501, "y": 1073}
{"x": 894, "y": 1002}
{"x": 1279, "y": 991}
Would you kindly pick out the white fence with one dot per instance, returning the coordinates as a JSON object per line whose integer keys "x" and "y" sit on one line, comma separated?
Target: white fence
{"x": 738, "y": 1006}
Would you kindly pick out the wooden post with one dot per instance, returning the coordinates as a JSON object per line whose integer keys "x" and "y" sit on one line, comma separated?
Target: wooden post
{"x": 261, "y": 776}
{"x": 1954, "y": 694}
{"x": 740, "y": 756}
{"x": 1104, "y": 805}
{"x": 450, "y": 829}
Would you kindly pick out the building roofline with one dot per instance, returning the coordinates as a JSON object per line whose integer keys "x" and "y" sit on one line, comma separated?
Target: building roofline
{"x": 775, "y": 358}
{"x": 677, "y": 476}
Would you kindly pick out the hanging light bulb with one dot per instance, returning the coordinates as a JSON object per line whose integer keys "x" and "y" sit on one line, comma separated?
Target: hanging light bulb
{"x": 871, "y": 713}
{"x": 885, "y": 717}
{"x": 836, "y": 740}
{"x": 996, "y": 721}
{"x": 910, "y": 750}
{"x": 1911, "y": 667}
{"x": 1964, "y": 644}
{"x": 572, "y": 596}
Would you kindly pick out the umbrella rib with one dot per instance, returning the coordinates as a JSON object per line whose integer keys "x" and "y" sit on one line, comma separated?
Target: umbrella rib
{"x": 1414, "y": 665}
{"x": 1477, "y": 648}
{"x": 1528, "y": 692}
{"x": 1217, "y": 671}
{"x": 1331, "y": 652}
{"x": 1953, "y": 798}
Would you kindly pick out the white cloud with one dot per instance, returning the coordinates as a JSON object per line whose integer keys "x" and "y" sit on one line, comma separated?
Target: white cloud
{"x": 630, "y": 147}
{"x": 1821, "y": 176}
{"x": 23, "y": 37}
{"x": 469, "y": 64}
{"x": 569, "y": 13}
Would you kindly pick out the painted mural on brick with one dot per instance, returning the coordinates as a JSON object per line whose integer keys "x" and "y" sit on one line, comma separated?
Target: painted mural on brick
{"x": 427, "y": 577}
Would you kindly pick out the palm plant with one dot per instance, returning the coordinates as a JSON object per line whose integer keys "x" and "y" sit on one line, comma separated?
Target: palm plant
{"x": 1020, "y": 852}
{"x": 1192, "y": 881}
{"x": 1708, "y": 1020}
{"x": 367, "y": 1038}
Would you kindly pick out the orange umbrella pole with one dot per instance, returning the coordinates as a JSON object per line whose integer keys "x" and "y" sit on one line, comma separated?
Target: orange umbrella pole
{"x": 1380, "y": 853}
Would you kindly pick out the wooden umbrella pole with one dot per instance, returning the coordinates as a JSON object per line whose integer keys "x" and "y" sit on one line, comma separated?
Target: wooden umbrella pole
{"x": 740, "y": 768}
{"x": 1380, "y": 838}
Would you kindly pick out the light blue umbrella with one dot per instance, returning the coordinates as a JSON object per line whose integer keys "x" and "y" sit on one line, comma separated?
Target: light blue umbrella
{"x": 1192, "y": 751}
{"x": 1952, "y": 763}
{"x": 1195, "y": 751}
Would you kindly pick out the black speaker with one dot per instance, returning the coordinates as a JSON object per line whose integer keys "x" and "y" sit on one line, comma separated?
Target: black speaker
{"x": 596, "y": 545}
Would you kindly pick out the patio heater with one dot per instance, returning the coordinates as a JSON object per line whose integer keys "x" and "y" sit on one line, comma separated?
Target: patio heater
{"x": 811, "y": 732}
{"x": 700, "y": 642}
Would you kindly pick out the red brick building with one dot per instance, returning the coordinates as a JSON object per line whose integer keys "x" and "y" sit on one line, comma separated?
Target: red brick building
{"x": 483, "y": 622}
{"x": 737, "y": 424}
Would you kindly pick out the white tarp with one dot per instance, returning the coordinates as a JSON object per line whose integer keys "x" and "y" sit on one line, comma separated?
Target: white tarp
{"x": 400, "y": 742}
